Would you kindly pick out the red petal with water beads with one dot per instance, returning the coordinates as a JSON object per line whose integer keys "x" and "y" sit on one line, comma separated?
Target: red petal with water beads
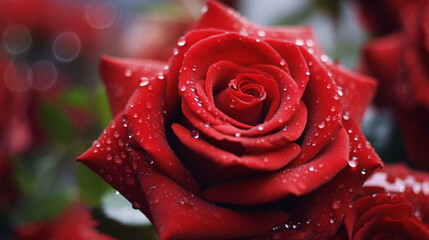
{"x": 290, "y": 132}
{"x": 145, "y": 114}
{"x": 177, "y": 213}
{"x": 298, "y": 180}
{"x": 121, "y": 77}
{"x": 273, "y": 160}
{"x": 220, "y": 17}
{"x": 110, "y": 158}
{"x": 355, "y": 90}
{"x": 401, "y": 180}
{"x": 172, "y": 95}
{"x": 240, "y": 50}
{"x": 384, "y": 214}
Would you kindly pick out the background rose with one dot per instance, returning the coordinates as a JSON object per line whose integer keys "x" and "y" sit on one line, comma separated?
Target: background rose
{"x": 392, "y": 204}
{"x": 384, "y": 216}
{"x": 399, "y": 61}
{"x": 74, "y": 223}
{"x": 292, "y": 141}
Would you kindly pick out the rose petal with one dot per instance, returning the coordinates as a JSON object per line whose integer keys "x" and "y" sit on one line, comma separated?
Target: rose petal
{"x": 238, "y": 49}
{"x": 145, "y": 114}
{"x": 325, "y": 206}
{"x": 220, "y": 17}
{"x": 256, "y": 144}
{"x": 357, "y": 92}
{"x": 121, "y": 77}
{"x": 180, "y": 214}
{"x": 268, "y": 161}
{"x": 399, "y": 179}
{"x": 324, "y": 111}
{"x": 109, "y": 157}
{"x": 172, "y": 95}
{"x": 298, "y": 181}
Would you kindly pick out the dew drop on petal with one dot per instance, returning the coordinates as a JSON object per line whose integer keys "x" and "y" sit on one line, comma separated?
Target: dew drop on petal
{"x": 353, "y": 162}
{"x": 299, "y": 42}
{"x": 195, "y": 134}
{"x": 181, "y": 42}
{"x": 322, "y": 125}
{"x": 144, "y": 81}
{"x": 261, "y": 33}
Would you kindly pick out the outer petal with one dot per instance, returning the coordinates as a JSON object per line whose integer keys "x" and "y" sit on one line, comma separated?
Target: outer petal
{"x": 145, "y": 115}
{"x": 298, "y": 180}
{"x": 122, "y": 77}
{"x": 110, "y": 158}
{"x": 182, "y": 215}
{"x": 399, "y": 179}
{"x": 323, "y": 209}
{"x": 357, "y": 92}
{"x": 219, "y": 17}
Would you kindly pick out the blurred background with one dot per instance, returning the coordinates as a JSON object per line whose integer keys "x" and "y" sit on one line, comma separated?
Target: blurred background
{"x": 54, "y": 105}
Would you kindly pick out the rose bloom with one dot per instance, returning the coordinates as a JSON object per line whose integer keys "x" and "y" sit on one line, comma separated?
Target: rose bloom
{"x": 248, "y": 131}
{"x": 74, "y": 223}
{"x": 400, "y": 62}
{"x": 391, "y": 205}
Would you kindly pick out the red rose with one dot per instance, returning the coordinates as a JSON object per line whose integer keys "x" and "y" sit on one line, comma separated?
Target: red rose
{"x": 74, "y": 223}
{"x": 384, "y": 216}
{"x": 217, "y": 143}
{"x": 392, "y": 204}
{"x": 400, "y": 62}
{"x": 400, "y": 180}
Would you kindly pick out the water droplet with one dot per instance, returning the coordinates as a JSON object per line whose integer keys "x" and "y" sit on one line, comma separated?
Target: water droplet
{"x": 324, "y": 58}
{"x": 353, "y": 162}
{"x": 237, "y": 134}
{"x": 109, "y": 157}
{"x": 261, "y": 33}
{"x": 260, "y": 127}
{"x": 299, "y": 42}
{"x": 181, "y": 42}
{"x": 144, "y": 81}
{"x": 148, "y": 105}
{"x": 307, "y": 73}
{"x": 195, "y": 134}
{"x": 128, "y": 72}
{"x": 310, "y": 43}
{"x": 346, "y": 116}
{"x": 282, "y": 62}
{"x": 117, "y": 159}
{"x": 363, "y": 172}
{"x": 175, "y": 51}
{"x": 340, "y": 92}
{"x": 322, "y": 125}
{"x": 336, "y": 205}
{"x": 311, "y": 169}
{"x": 183, "y": 88}
{"x": 333, "y": 109}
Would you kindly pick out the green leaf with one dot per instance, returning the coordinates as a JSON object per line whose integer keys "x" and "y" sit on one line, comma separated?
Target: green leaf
{"x": 102, "y": 107}
{"x": 74, "y": 97}
{"x": 56, "y": 123}
{"x": 92, "y": 187}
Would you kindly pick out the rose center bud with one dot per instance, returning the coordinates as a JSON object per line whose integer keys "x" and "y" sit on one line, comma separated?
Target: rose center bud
{"x": 243, "y": 100}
